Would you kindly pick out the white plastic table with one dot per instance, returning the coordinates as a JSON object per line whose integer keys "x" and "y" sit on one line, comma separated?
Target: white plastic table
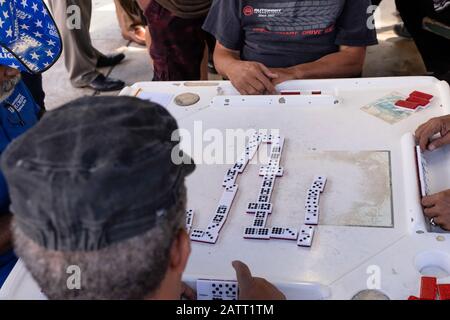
{"x": 343, "y": 259}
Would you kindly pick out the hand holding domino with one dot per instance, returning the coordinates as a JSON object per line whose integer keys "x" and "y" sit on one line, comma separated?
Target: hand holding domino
{"x": 428, "y": 130}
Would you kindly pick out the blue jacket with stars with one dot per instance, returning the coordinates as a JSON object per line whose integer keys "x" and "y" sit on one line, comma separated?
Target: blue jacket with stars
{"x": 18, "y": 113}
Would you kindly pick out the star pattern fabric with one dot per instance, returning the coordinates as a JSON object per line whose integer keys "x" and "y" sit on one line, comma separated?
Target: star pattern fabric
{"x": 29, "y": 38}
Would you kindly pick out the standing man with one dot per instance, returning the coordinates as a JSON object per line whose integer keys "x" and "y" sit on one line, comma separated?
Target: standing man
{"x": 434, "y": 49}
{"x": 131, "y": 21}
{"x": 81, "y": 58}
{"x": 399, "y": 28}
{"x": 30, "y": 43}
{"x": 178, "y": 41}
{"x": 263, "y": 43}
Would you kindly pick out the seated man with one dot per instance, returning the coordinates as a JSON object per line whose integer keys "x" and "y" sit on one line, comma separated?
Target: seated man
{"x": 20, "y": 51}
{"x": 437, "y": 206}
{"x": 263, "y": 43}
{"x": 94, "y": 189}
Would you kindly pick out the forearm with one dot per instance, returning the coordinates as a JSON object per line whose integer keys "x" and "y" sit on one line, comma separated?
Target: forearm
{"x": 5, "y": 233}
{"x": 341, "y": 64}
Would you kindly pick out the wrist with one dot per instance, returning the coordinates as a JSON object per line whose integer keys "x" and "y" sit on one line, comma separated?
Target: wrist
{"x": 232, "y": 64}
{"x": 297, "y": 72}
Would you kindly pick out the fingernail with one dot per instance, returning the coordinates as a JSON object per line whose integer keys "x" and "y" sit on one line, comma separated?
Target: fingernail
{"x": 431, "y": 147}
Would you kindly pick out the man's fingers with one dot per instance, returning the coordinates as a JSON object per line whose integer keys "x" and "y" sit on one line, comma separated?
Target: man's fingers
{"x": 241, "y": 87}
{"x": 243, "y": 274}
{"x": 431, "y": 212}
{"x": 257, "y": 85}
{"x": 421, "y": 128}
{"x": 254, "y": 89}
{"x": 269, "y": 87}
{"x": 424, "y": 133}
{"x": 188, "y": 292}
{"x": 241, "y": 90}
{"x": 435, "y": 144}
{"x": 439, "y": 221}
{"x": 267, "y": 72}
{"x": 430, "y": 201}
{"x": 424, "y": 138}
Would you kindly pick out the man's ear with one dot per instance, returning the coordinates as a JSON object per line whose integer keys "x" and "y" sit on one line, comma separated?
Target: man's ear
{"x": 180, "y": 251}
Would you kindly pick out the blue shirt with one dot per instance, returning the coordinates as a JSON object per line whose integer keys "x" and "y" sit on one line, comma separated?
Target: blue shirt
{"x": 18, "y": 113}
{"x": 7, "y": 262}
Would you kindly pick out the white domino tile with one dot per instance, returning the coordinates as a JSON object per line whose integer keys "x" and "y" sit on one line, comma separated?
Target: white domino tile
{"x": 241, "y": 164}
{"x": 268, "y": 137}
{"x": 260, "y": 219}
{"x": 313, "y": 193}
{"x": 197, "y": 234}
{"x": 312, "y": 217}
{"x": 257, "y": 233}
{"x": 228, "y": 195}
{"x": 210, "y": 237}
{"x": 271, "y": 171}
{"x": 263, "y": 198}
{"x": 277, "y": 146}
{"x": 274, "y": 160}
{"x": 319, "y": 183}
{"x": 230, "y": 178}
{"x": 217, "y": 290}
{"x": 306, "y": 236}
{"x": 254, "y": 207}
{"x": 261, "y": 214}
{"x": 214, "y": 227}
{"x": 422, "y": 166}
{"x": 312, "y": 205}
{"x": 266, "y": 191}
{"x": 222, "y": 210}
{"x": 283, "y": 233}
{"x": 204, "y": 236}
{"x": 189, "y": 219}
{"x": 311, "y": 202}
{"x": 252, "y": 152}
{"x": 219, "y": 219}
{"x": 253, "y": 145}
{"x": 268, "y": 182}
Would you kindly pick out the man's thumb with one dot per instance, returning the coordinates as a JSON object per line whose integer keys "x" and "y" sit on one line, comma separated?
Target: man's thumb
{"x": 439, "y": 142}
{"x": 243, "y": 274}
{"x": 269, "y": 74}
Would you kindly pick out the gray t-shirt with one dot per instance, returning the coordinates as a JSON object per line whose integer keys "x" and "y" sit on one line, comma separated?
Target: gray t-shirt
{"x": 284, "y": 33}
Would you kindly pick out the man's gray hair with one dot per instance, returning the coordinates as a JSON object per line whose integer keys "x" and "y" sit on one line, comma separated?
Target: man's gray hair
{"x": 131, "y": 269}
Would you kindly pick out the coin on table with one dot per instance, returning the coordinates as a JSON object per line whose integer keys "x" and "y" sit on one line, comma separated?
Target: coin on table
{"x": 187, "y": 99}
